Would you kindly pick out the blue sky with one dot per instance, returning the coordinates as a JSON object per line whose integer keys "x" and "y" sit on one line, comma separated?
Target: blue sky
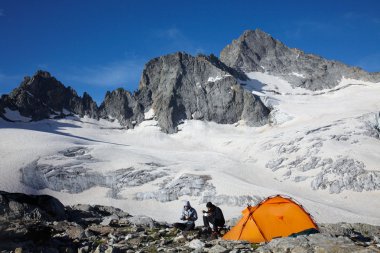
{"x": 97, "y": 46}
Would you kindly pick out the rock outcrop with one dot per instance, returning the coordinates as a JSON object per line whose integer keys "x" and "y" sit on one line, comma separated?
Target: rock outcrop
{"x": 122, "y": 106}
{"x": 42, "y": 96}
{"x": 258, "y": 51}
{"x": 179, "y": 87}
{"x": 95, "y": 228}
{"x": 30, "y": 207}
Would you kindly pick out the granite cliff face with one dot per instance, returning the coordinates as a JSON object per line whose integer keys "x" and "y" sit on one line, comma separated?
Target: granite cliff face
{"x": 180, "y": 86}
{"x": 123, "y": 106}
{"x": 258, "y": 51}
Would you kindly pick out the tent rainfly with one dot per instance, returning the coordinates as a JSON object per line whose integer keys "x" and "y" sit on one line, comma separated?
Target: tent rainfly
{"x": 276, "y": 216}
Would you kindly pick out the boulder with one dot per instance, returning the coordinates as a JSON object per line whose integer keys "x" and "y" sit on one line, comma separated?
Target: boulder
{"x": 30, "y": 207}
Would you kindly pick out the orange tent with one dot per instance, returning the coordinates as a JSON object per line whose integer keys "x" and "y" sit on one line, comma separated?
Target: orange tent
{"x": 276, "y": 216}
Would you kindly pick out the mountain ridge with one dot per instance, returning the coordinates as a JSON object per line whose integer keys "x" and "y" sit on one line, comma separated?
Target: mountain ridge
{"x": 256, "y": 50}
{"x": 179, "y": 86}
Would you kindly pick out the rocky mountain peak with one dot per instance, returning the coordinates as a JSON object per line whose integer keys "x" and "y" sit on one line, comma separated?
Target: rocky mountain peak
{"x": 180, "y": 86}
{"x": 176, "y": 87}
{"x": 258, "y": 51}
{"x": 43, "y": 96}
{"x": 41, "y": 81}
{"x": 246, "y": 52}
{"x": 257, "y": 34}
{"x": 123, "y": 106}
{"x": 43, "y": 74}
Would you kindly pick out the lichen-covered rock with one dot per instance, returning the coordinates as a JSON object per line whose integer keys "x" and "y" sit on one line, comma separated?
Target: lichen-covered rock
{"x": 142, "y": 220}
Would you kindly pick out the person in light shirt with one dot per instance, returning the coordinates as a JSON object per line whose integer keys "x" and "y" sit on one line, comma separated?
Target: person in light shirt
{"x": 189, "y": 216}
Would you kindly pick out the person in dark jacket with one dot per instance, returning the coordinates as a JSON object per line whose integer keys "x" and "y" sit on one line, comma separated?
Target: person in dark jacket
{"x": 213, "y": 215}
{"x": 189, "y": 215}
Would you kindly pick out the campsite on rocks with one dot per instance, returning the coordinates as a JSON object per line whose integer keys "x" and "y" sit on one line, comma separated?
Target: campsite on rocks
{"x": 283, "y": 142}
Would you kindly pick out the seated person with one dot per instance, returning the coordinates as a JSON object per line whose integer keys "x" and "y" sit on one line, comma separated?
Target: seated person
{"x": 213, "y": 215}
{"x": 189, "y": 215}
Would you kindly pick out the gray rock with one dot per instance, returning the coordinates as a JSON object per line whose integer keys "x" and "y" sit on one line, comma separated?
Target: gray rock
{"x": 349, "y": 229}
{"x": 179, "y": 239}
{"x": 217, "y": 249}
{"x": 196, "y": 244}
{"x": 83, "y": 249}
{"x": 312, "y": 243}
{"x": 180, "y": 86}
{"x": 122, "y": 106}
{"x": 258, "y": 51}
{"x": 142, "y": 220}
{"x": 30, "y": 207}
{"x": 107, "y": 220}
{"x": 74, "y": 231}
{"x": 42, "y": 96}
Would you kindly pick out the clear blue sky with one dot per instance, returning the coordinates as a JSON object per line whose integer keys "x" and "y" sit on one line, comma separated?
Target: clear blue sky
{"x": 97, "y": 46}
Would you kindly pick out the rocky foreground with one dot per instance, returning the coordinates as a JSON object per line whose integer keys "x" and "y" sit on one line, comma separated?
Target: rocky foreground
{"x": 42, "y": 224}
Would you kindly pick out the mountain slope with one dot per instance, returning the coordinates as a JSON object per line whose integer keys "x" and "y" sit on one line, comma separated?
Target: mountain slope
{"x": 180, "y": 87}
{"x": 173, "y": 88}
{"x": 258, "y": 51}
{"x": 318, "y": 146}
{"x": 177, "y": 87}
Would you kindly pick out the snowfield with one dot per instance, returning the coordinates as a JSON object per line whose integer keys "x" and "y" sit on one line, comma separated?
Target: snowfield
{"x": 321, "y": 148}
